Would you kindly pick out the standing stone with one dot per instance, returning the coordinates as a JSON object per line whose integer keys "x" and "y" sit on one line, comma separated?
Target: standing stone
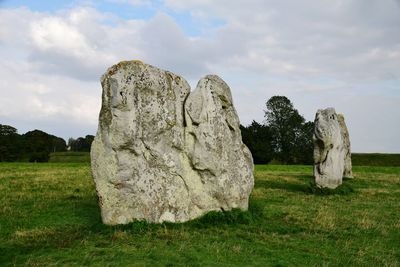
{"x": 348, "y": 173}
{"x": 221, "y": 161}
{"x": 329, "y": 152}
{"x": 162, "y": 153}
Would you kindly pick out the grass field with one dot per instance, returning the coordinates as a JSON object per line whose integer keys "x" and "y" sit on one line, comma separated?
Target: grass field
{"x": 70, "y": 157}
{"x": 49, "y": 216}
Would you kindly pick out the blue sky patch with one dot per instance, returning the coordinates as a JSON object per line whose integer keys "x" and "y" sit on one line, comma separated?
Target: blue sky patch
{"x": 123, "y": 10}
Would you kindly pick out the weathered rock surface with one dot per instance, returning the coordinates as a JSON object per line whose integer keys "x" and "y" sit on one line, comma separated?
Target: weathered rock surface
{"x": 163, "y": 153}
{"x": 329, "y": 152}
{"x": 347, "y": 172}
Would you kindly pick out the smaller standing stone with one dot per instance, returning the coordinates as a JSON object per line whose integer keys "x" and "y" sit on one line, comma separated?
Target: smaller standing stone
{"x": 329, "y": 152}
{"x": 346, "y": 145}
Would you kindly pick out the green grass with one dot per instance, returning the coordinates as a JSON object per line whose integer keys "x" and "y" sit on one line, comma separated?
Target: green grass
{"x": 70, "y": 157}
{"x": 375, "y": 159}
{"x": 49, "y": 216}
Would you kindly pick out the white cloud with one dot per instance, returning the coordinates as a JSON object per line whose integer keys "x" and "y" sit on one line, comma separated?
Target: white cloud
{"x": 324, "y": 37}
{"x": 54, "y": 33}
{"x": 72, "y": 44}
{"x": 38, "y": 96}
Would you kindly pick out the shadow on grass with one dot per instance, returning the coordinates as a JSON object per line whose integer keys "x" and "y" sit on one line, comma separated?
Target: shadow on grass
{"x": 306, "y": 184}
{"x": 239, "y": 221}
{"x": 87, "y": 210}
{"x": 298, "y": 186}
{"x": 214, "y": 219}
{"x": 232, "y": 217}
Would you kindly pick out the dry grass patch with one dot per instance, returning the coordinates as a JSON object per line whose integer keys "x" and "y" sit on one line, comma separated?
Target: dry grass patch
{"x": 34, "y": 233}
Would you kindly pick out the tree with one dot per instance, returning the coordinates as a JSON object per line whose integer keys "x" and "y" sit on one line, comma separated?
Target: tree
{"x": 32, "y": 146}
{"x": 7, "y": 130}
{"x": 288, "y": 129}
{"x": 81, "y": 144}
{"x": 257, "y": 138}
{"x": 304, "y": 147}
{"x": 39, "y": 145}
{"x": 11, "y": 144}
{"x": 89, "y": 140}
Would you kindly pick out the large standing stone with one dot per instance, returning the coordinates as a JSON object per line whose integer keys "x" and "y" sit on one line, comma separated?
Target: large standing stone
{"x": 347, "y": 172}
{"x": 329, "y": 152}
{"x": 162, "y": 153}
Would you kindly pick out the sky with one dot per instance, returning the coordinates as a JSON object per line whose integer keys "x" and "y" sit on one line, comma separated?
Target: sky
{"x": 319, "y": 53}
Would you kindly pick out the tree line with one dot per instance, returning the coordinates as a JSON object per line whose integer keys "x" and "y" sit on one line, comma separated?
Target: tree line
{"x": 36, "y": 145}
{"x": 285, "y": 136}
